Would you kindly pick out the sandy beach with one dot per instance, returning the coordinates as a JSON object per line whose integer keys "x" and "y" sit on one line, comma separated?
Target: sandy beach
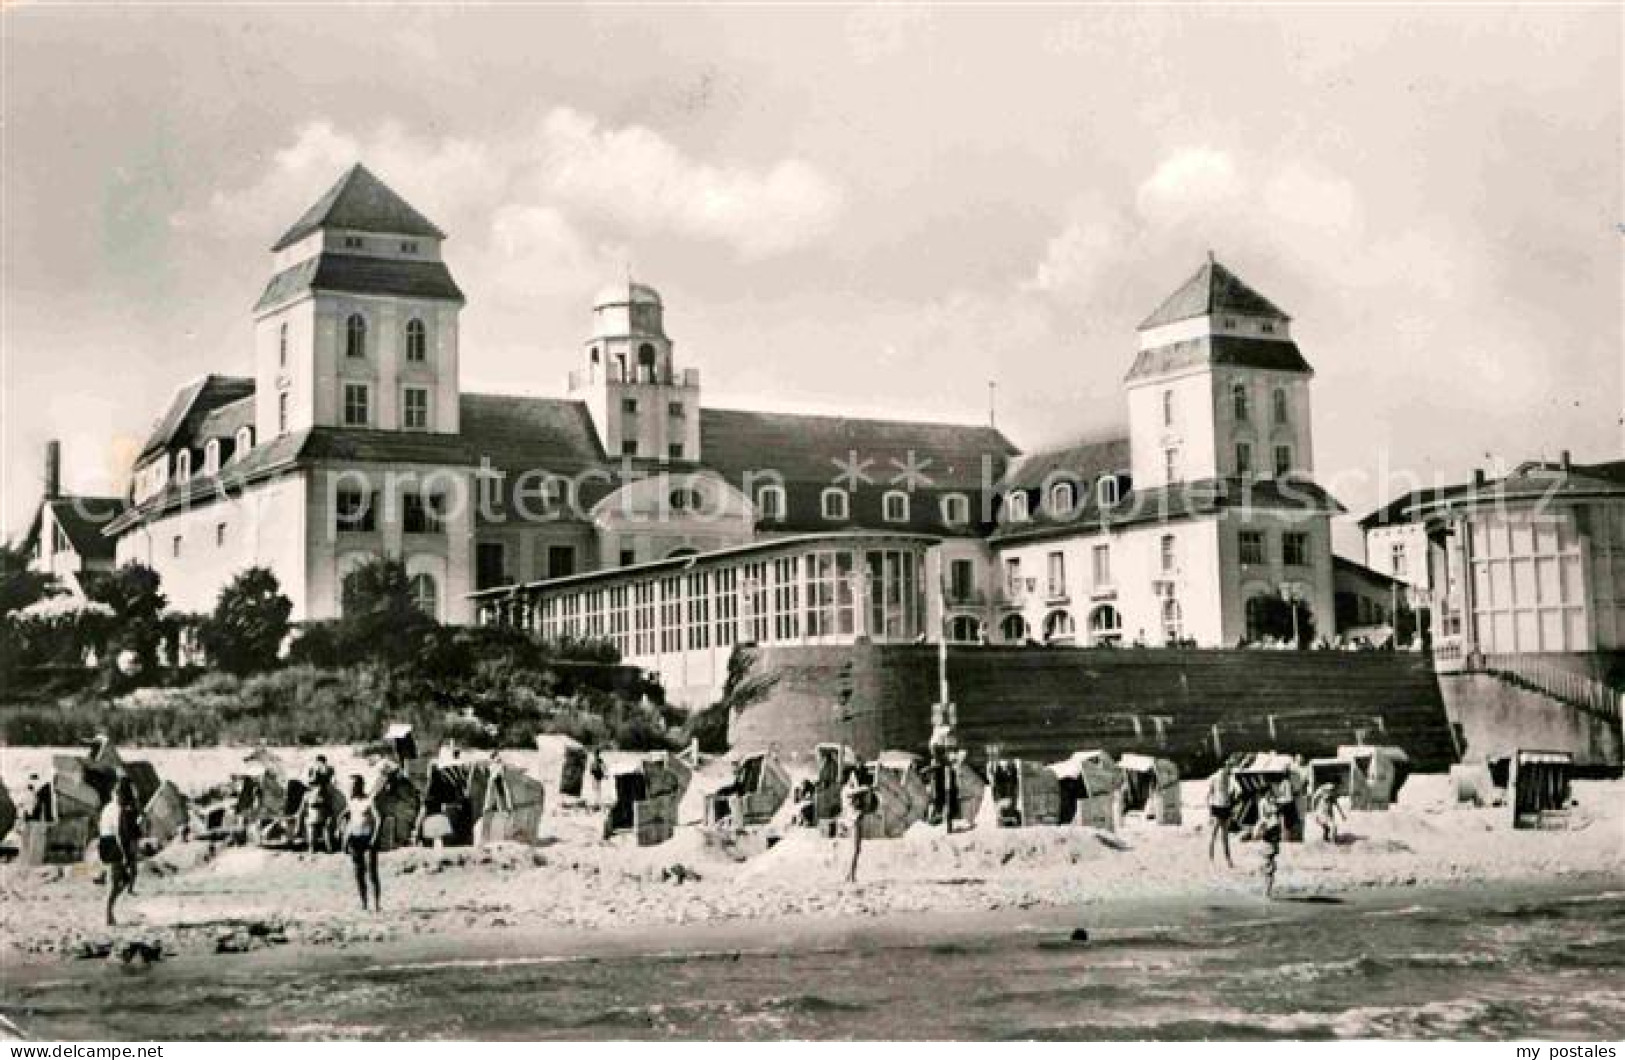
{"x": 196, "y": 899}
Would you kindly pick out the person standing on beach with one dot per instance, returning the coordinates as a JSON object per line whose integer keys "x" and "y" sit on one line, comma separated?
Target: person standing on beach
{"x": 118, "y": 844}
{"x": 1221, "y": 792}
{"x": 595, "y": 769}
{"x": 859, "y": 800}
{"x": 361, "y": 842}
{"x": 1269, "y": 830}
{"x": 1326, "y": 809}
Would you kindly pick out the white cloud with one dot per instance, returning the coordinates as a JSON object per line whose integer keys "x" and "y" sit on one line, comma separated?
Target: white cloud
{"x": 1188, "y": 181}
{"x": 1312, "y": 201}
{"x": 643, "y": 182}
{"x": 536, "y": 253}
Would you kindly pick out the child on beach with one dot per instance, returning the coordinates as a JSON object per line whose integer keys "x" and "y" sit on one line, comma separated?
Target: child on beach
{"x": 1269, "y": 830}
{"x": 361, "y": 841}
{"x": 1324, "y": 805}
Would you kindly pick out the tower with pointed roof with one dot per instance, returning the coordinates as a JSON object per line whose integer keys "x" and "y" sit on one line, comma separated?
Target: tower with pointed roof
{"x": 1219, "y": 389}
{"x": 358, "y": 327}
{"x": 643, "y": 405}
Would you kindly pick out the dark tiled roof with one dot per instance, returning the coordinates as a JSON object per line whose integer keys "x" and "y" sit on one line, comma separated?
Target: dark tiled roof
{"x": 1082, "y": 462}
{"x": 1214, "y": 289}
{"x": 811, "y": 453}
{"x": 1237, "y": 351}
{"x": 224, "y": 421}
{"x": 1396, "y": 510}
{"x": 363, "y": 203}
{"x": 82, "y": 518}
{"x": 356, "y": 274}
{"x": 1355, "y": 569}
{"x": 191, "y": 404}
{"x": 521, "y": 433}
{"x": 1170, "y": 503}
{"x": 385, "y": 447}
{"x": 1533, "y": 479}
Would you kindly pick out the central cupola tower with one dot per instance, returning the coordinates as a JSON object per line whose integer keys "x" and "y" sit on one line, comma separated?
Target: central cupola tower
{"x": 643, "y": 406}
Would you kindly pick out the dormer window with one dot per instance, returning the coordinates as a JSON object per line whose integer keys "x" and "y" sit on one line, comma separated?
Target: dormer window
{"x": 355, "y": 336}
{"x": 183, "y": 465}
{"x": 835, "y": 503}
{"x": 211, "y": 457}
{"x": 243, "y": 443}
{"x": 894, "y": 506}
{"x": 417, "y": 341}
{"x": 1015, "y": 506}
{"x": 770, "y": 502}
{"x": 1106, "y": 491}
{"x": 1062, "y": 499}
{"x": 956, "y": 509}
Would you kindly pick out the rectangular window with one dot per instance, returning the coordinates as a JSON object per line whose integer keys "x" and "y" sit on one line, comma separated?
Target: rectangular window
{"x": 1170, "y": 465}
{"x": 354, "y": 512}
{"x": 1252, "y": 546}
{"x": 1167, "y": 408}
{"x": 282, "y": 413}
{"x": 356, "y": 410}
{"x": 1057, "y": 575}
{"x": 1283, "y": 461}
{"x": 175, "y": 546}
{"x": 675, "y": 450}
{"x": 219, "y": 535}
{"x": 962, "y": 581}
{"x": 420, "y": 513}
{"x": 1397, "y": 560}
{"x": 1295, "y": 549}
{"x": 1012, "y": 577}
{"x": 415, "y": 409}
{"x": 490, "y": 565}
{"x": 561, "y": 561}
{"x": 629, "y": 447}
{"x": 354, "y": 242}
{"x": 628, "y": 557}
{"x": 1101, "y": 555}
{"x": 1244, "y": 459}
{"x": 629, "y": 404}
{"x": 409, "y": 248}
{"x": 675, "y": 410}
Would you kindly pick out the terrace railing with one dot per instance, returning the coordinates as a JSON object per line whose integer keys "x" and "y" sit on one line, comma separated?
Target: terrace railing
{"x": 1583, "y": 693}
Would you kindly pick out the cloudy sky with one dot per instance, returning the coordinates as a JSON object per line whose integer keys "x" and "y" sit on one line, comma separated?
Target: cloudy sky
{"x": 862, "y": 210}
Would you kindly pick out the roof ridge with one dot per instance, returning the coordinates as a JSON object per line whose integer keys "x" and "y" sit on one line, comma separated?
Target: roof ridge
{"x": 858, "y": 419}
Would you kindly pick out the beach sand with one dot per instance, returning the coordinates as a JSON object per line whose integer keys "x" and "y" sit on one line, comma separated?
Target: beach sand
{"x": 575, "y": 885}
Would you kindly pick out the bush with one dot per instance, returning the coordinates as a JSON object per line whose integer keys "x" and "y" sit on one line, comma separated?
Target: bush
{"x": 250, "y": 621}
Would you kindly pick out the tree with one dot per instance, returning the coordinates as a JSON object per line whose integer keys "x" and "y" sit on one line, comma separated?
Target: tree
{"x": 381, "y": 618}
{"x": 19, "y": 586}
{"x": 133, "y": 592}
{"x": 249, "y": 623}
{"x": 1271, "y": 616}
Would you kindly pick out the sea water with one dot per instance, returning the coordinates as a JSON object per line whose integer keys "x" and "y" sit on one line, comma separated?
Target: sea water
{"x": 1546, "y": 969}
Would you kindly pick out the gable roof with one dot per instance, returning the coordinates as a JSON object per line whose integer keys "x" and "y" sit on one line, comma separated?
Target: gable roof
{"x": 1080, "y": 462}
{"x": 1213, "y": 289}
{"x": 190, "y": 405}
{"x": 223, "y": 421}
{"x": 1237, "y": 351}
{"x": 81, "y": 518}
{"x": 357, "y": 274}
{"x": 363, "y": 203}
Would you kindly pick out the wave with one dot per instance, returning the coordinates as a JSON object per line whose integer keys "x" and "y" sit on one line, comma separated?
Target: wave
{"x": 692, "y": 1015}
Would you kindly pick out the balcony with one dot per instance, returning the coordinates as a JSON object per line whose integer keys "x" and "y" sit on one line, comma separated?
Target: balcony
{"x": 964, "y": 596}
{"x": 613, "y": 373}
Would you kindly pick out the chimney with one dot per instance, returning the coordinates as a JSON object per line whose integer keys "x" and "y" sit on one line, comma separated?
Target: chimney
{"x": 53, "y": 470}
{"x": 1567, "y": 462}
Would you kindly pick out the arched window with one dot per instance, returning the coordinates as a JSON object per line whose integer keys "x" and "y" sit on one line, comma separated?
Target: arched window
{"x": 1013, "y": 630}
{"x": 425, "y": 594}
{"x": 964, "y": 629}
{"x": 686, "y": 499}
{"x": 417, "y": 341}
{"x": 1105, "y": 626}
{"x": 646, "y": 362}
{"x": 244, "y": 442}
{"x": 1278, "y": 405}
{"x": 183, "y": 465}
{"x": 355, "y": 336}
{"x": 895, "y": 506}
{"x": 770, "y": 502}
{"x": 1058, "y": 627}
{"x": 211, "y": 457}
{"x": 1172, "y": 621}
{"x": 956, "y": 509}
{"x": 1062, "y": 499}
{"x": 1015, "y": 506}
{"x": 1259, "y": 617}
{"x": 1169, "y": 556}
{"x": 835, "y": 503}
{"x": 1106, "y": 491}
{"x": 282, "y": 345}
{"x": 1238, "y": 402}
